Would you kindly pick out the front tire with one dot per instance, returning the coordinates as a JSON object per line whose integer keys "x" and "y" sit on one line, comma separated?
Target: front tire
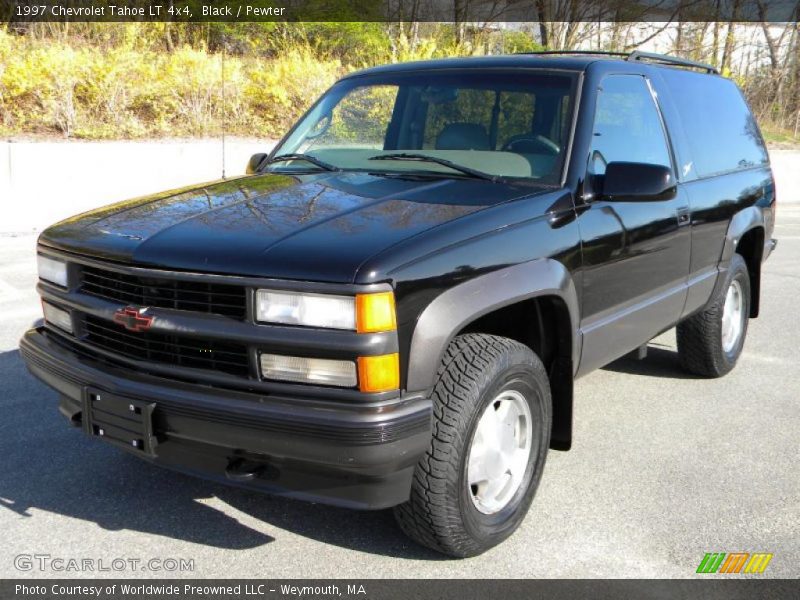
{"x": 491, "y": 432}
{"x": 710, "y": 342}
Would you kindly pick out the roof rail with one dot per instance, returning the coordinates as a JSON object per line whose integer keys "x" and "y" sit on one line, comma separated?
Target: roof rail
{"x": 636, "y": 55}
{"x": 665, "y": 59}
{"x": 578, "y": 52}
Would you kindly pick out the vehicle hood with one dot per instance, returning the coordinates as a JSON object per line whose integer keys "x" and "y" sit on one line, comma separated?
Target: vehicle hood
{"x": 311, "y": 227}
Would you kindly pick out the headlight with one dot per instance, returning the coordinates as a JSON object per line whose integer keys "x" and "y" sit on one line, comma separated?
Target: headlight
{"x": 364, "y": 313}
{"x": 52, "y": 270}
{"x": 57, "y": 316}
{"x": 311, "y": 310}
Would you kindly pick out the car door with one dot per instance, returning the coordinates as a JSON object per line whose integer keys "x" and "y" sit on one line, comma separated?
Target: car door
{"x": 635, "y": 253}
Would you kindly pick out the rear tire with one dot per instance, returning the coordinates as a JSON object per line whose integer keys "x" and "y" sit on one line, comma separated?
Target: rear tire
{"x": 491, "y": 432}
{"x": 710, "y": 342}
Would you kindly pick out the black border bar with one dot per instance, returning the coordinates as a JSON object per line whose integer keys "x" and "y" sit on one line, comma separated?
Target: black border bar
{"x": 477, "y": 12}
{"x": 711, "y": 588}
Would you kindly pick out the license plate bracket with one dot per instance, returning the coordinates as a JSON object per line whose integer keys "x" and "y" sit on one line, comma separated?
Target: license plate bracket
{"x": 119, "y": 420}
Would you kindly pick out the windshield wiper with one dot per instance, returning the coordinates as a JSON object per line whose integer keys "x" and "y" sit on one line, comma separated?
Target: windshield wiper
{"x": 306, "y": 157}
{"x": 439, "y": 161}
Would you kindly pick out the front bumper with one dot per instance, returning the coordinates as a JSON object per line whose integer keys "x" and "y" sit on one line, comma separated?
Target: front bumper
{"x": 347, "y": 454}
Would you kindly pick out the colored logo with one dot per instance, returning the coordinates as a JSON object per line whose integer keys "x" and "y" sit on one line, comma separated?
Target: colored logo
{"x": 734, "y": 562}
{"x": 133, "y": 319}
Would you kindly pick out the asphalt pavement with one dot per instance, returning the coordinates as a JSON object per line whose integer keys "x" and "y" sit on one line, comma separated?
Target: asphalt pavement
{"x": 665, "y": 467}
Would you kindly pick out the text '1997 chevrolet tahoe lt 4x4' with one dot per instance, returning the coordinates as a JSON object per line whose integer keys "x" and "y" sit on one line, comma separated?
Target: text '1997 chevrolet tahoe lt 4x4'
{"x": 390, "y": 309}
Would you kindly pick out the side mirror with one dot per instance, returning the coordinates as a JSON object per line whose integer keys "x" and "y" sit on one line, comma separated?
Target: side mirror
{"x": 637, "y": 182}
{"x": 254, "y": 162}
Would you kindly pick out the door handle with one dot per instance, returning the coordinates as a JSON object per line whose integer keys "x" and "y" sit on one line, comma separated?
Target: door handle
{"x": 684, "y": 217}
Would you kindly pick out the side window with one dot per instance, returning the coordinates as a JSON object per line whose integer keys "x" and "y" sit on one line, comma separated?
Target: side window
{"x": 721, "y": 131}
{"x": 627, "y": 126}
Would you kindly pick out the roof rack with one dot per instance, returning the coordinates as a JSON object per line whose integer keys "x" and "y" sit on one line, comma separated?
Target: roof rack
{"x": 636, "y": 55}
{"x": 578, "y": 52}
{"x": 665, "y": 59}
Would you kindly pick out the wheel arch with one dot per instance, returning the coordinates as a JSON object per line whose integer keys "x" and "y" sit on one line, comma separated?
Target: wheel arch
{"x": 751, "y": 249}
{"x": 534, "y": 303}
{"x": 745, "y": 236}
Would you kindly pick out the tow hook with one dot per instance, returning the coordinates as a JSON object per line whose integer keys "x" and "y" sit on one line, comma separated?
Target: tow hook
{"x": 242, "y": 469}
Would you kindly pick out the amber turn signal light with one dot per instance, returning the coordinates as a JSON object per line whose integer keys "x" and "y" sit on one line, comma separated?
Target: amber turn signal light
{"x": 375, "y": 312}
{"x": 379, "y": 373}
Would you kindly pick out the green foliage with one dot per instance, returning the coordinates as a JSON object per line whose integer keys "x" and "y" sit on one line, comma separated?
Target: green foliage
{"x": 352, "y": 42}
{"x": 775, "y": 135}
{"x": 126, "y": 91}
{"x": 516, "y": 41}
{"x": 129, "y": 80}
{"x": 135, "y": 80}
{"x": 276, "y": 92}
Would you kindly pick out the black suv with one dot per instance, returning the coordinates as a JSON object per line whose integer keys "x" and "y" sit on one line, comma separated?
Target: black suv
{"x": 390, "y": 309}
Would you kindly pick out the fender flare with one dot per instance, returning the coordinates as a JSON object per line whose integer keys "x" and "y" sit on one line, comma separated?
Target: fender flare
{"x": 742, "y": 222}
{"x": 449, "y": 312}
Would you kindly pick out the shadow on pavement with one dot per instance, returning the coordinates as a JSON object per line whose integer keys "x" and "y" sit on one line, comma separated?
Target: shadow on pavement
{"x": 55, "y": 468}
{"x": 659, "y": 362}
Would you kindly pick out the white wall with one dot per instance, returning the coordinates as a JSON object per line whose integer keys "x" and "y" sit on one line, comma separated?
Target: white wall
{"x": 786, "y": 167}
{"x": 43, "y": 182}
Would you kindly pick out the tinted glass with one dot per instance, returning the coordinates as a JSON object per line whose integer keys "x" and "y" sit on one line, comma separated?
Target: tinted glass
{"x": 510, "y": 119}
{"x": 627, "y": 126}
{"x": 516, "y": 116}
{"x": 722, "y": 133}
{"x": 501, "y": 124}
{"x": 460, "y": 106}
{"x": 362, "y": 116}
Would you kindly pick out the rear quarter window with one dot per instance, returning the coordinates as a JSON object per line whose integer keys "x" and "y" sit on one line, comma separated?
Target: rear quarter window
{"x": 722, "y": 133}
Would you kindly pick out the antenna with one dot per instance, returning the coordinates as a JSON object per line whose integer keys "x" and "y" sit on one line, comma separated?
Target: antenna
{"x": 223, "y": 110}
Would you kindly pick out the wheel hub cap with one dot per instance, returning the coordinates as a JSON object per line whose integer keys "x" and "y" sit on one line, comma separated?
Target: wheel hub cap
{"x": 500, "y": 452}
{"x": 732, "y": 316}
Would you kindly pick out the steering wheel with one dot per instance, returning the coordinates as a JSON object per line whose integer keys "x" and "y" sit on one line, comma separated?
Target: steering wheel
{"x": 531, "y": 144}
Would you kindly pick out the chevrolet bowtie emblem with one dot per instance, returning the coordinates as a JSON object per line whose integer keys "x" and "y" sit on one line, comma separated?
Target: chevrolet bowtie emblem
{"x": 133, "y": 319}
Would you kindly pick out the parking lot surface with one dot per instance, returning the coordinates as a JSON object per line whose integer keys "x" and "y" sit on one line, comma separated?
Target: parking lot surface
{"x": 665, "y": 467}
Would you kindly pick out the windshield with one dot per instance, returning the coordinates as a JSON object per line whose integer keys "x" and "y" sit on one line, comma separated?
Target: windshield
{"x": 459, "y": 124}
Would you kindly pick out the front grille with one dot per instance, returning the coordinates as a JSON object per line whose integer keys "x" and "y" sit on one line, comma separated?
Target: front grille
{"x": 214, "y": 298}
{"x": 168, "y": 349}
